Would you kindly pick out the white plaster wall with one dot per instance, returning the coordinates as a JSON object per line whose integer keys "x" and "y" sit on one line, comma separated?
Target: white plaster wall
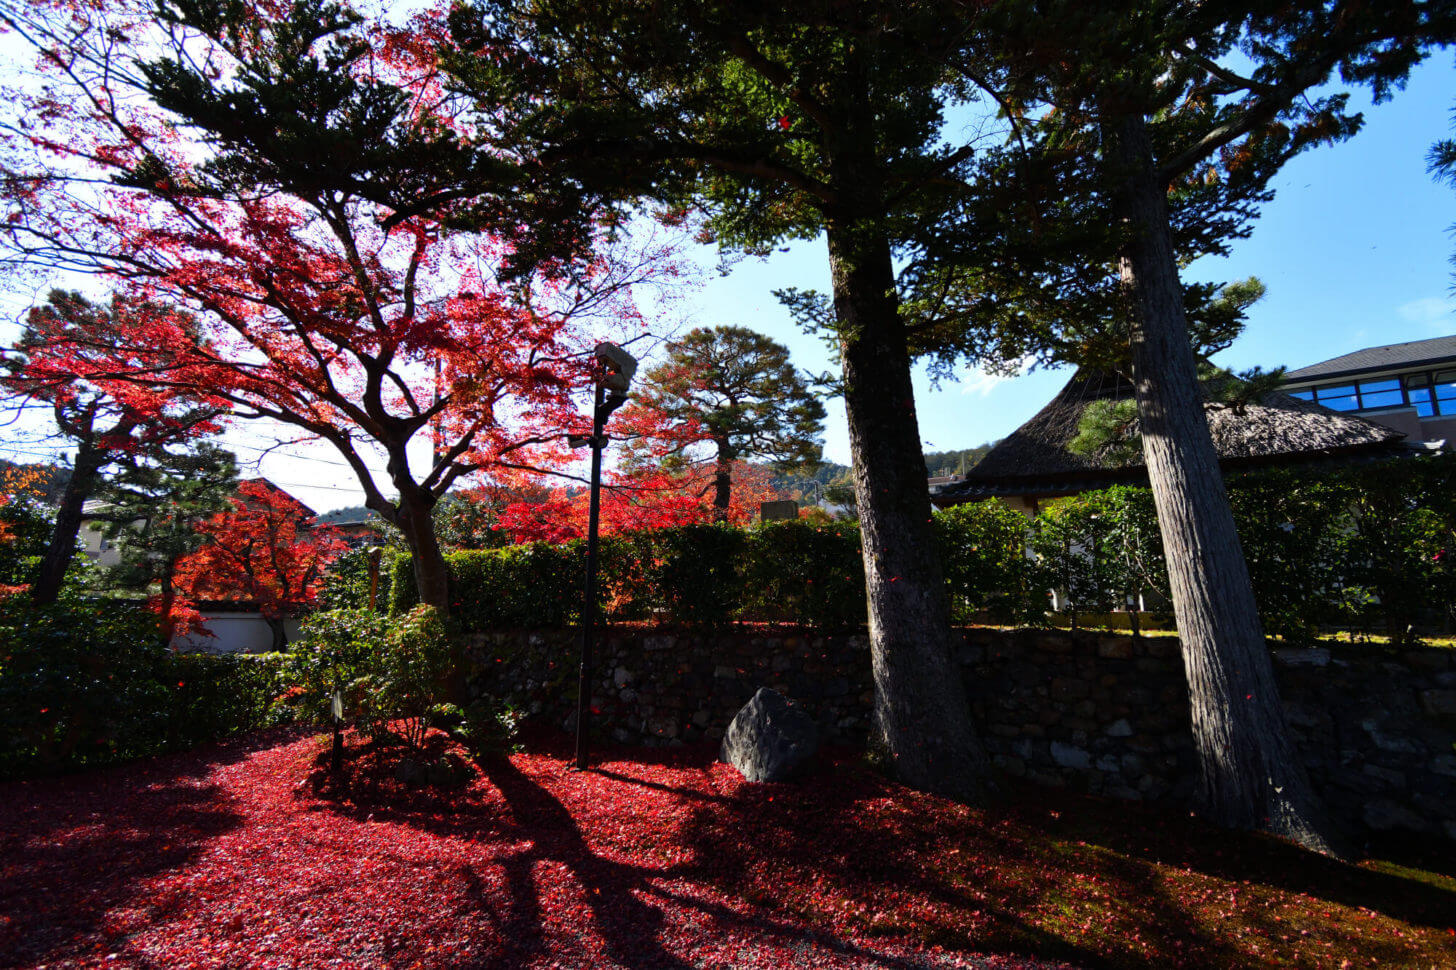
{"x": 233, "y": 631}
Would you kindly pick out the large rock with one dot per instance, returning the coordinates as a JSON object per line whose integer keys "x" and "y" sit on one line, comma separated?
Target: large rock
{"x": 770, "y": 739}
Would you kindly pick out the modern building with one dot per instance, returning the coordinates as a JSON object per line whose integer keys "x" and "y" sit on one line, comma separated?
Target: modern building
{"x": 1410, "y": 387}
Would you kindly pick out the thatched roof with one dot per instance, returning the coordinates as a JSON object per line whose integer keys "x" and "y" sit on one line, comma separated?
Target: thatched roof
{"x": 1278, "y": 429}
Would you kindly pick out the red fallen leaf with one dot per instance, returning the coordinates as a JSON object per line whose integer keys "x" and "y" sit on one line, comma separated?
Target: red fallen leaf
{"x": 784, "y": 123}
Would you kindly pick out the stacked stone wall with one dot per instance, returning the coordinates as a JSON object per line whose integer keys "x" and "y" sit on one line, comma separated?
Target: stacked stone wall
{"x": 1103, "y": 713}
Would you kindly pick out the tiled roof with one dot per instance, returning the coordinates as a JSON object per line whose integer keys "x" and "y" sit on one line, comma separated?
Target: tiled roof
{"x": 1414, "y": 353}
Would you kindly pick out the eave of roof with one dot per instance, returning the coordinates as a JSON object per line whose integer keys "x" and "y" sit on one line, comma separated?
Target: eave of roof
{"x": 1413, "y": 354}
{"x": 1277, "y": 429}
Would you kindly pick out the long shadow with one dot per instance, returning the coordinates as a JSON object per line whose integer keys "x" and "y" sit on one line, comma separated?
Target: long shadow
{"x": 1175, "y": 839}
{"x": 1028, "y": 860}
{"x": 74, "y": 848}
{"x": 629, "y": 927}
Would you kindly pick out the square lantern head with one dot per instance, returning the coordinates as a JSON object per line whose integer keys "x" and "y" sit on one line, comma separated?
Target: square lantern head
{"x": 619, "y": 366}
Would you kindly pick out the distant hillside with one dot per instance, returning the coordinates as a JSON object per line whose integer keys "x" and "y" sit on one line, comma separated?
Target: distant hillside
{"x": 830, "y": 474}
{"x": 941, "y": 463}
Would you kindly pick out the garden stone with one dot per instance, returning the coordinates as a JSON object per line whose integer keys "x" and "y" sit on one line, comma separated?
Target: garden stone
{"x": 1069, "y": 756}
{"x": 1119, "y": 728}
{"x": 1384, "y": 815}
{"x": 769, "y": 739}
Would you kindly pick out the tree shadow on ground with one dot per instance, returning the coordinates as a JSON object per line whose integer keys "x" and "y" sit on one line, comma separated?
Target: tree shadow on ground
{"x": 630, "y": 927}
{"x": 625, "y": 901}
{"x": 1181, "y": 840}
{"x": 972, "y": 879}
{"x": 77, "y": 849}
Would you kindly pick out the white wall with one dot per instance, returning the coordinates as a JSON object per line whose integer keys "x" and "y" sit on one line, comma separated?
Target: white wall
{"x": 233, "y": 631}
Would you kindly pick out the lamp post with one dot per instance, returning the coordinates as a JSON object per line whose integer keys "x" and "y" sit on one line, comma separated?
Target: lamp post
{"x": 615, "y": 370}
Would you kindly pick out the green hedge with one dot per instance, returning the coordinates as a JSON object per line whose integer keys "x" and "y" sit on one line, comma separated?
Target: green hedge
{"x": 693, "y": 575}
{"x": 90, "y": 682}
{"x": 1364, "y": 547}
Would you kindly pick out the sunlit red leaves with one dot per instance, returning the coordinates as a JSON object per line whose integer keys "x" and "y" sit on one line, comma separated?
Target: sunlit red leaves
{"x": 227, "y": 858}
{"x": 266, "y": 549}
{"x": 639, "y": 499}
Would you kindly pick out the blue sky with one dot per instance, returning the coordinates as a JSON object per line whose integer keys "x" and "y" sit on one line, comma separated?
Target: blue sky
{"x": 1354, "y": 251}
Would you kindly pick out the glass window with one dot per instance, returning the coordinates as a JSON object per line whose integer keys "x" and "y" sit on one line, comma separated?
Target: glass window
{"x": 1338, "y": 390}
{"x": 1346, "y": 403}
{"x": 1303, "y": 395}
{"x": 1417, "y": 380}
{"x": 1381, "y": 399}
{"x": 1370, "y": 387}
{"x": 1424, "y": 408}
{"x": 1420, "y": 398}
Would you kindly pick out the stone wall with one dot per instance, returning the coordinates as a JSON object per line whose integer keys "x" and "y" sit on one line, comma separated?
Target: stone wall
{"x": 1104, "y": 713}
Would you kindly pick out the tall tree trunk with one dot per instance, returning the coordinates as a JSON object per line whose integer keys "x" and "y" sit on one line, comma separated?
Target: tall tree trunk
{"x": 62, "y": 548}
{"x": 722, "y": 484}
{"x": 922, "y": 716}
{"x": 432, "y": 577}
{"x": 278, "y": 629}
{"x": 1251, "y": 775}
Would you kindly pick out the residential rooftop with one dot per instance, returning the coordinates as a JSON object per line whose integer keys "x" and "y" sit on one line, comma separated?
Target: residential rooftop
{"x": 1413, "y": 353}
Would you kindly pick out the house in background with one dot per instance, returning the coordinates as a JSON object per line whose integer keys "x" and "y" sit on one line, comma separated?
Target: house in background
{"x": 1410, "y": 387}
{"x": 359, "y": 526}
{"x": 236, "y": 624}
{"x": 1034, "y": 462}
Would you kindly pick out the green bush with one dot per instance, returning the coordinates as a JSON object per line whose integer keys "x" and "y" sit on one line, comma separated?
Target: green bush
{"x": 983, "y": 546}
{"x": 1392, "y": 542}
{"x": 336, "y": 650}
{"x": 87, "y": 682}
{"x": 1365, "y": 545}
{"x": 692, "y": 574}
{"x": 806, "y": 574}
{"x": 346, "y": 584}
{"x": 1289, "y": 528}
{"x": 406, "y": 679}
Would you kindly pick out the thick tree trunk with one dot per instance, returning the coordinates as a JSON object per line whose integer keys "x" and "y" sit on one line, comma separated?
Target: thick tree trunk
{"x": 722, "y": 484}
{"x": 1251, "y": 775}
{"x": 277, "y": 627}
{"x": 432, "y": 578}
{"x": 921, "y": 713}
{"x": 62, "y": 548}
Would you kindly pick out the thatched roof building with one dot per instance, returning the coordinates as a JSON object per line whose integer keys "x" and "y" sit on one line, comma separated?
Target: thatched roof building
{"x": 1034, "y": 461}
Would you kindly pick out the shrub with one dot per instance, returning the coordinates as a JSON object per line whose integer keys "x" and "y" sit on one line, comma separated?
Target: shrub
{"x": 983, "y": 546}
{"x": 806, "y": 574}
{"x": 336, "y": 651}
{"x": 346, "y": 584}
{"x": 87, "y": 682}
{"x": 692, "y": 574}
{"x": 408, "y": 676}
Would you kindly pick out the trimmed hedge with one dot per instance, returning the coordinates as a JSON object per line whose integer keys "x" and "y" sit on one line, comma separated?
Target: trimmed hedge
{"x": 1364, "y": 546}
{"x": 89, "y": 682}
{"x": 693, "y": 575}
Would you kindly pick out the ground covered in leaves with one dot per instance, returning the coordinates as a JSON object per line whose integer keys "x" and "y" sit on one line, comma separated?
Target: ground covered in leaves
{"x": 231, "y": 857}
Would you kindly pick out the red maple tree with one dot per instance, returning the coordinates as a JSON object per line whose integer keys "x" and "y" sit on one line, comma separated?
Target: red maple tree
{"x": 637, "y": 499}
{"x": 267, "y": 548}
{"x": 321, "y": 307}
{"x": 65, "y": 340}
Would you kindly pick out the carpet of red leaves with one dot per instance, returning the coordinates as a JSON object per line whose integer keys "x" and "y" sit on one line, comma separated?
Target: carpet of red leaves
{"x": 229, "y": 857}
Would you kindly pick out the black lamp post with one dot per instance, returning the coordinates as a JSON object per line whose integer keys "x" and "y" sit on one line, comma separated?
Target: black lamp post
{"x": 615, "y": 370}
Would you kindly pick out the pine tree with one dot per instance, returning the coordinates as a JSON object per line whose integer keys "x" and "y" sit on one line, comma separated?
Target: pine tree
{"x": 735, "y": 391}
{"x": 1134, "y": 113}
{"x": 781, "y": 122}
